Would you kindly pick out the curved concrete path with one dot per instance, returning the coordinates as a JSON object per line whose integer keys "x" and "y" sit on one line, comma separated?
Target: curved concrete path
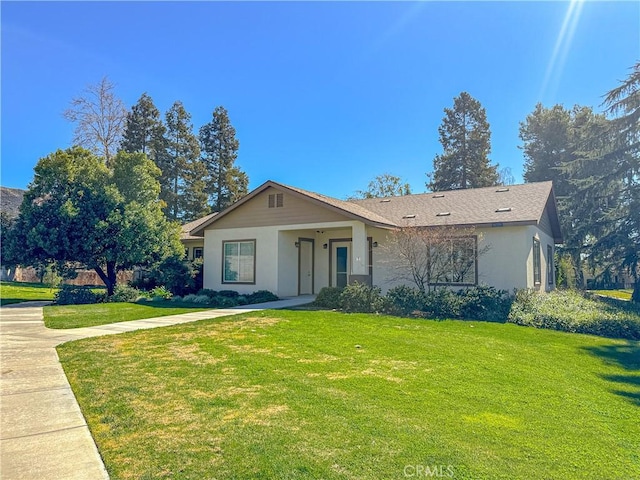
{"x": 43, "y": 434}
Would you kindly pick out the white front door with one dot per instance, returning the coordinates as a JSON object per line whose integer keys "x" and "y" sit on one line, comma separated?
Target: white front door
{"x": 305, "y": 266}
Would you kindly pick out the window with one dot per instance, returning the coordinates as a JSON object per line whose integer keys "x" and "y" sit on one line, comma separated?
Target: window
{"x": 239, "y": 261}
{"x": 276, "y": 200}
{"x": 197, "y": 252}
{"x": 550, "y": 268}
{"x": 453, "y": 261}
{"x": 536, "y": 262}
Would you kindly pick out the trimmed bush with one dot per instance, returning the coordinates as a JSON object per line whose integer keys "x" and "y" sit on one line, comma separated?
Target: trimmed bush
{"x": 261, "y": 296}
{"x": 570, "y": 311}
{"x": 362, "y": 298}
{"x": 228, "y": 293}
{"x": 328, "y": 297}
{"x": 224, "y": 302}
{"x": 75, "y": 295}
{"x": 442, "y": 303}
{"x": 485, "y": 303}
{"x": 125, "y": 293}
{"x": 208, "y": 292}
{"x": 404, "y": 300}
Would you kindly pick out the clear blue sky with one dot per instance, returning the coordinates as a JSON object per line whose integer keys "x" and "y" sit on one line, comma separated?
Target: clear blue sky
{"x": 324, "y": 96}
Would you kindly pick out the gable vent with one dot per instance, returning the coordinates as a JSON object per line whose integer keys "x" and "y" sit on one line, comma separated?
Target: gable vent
{"x": 438, "y": 195}
{"x": 504, "y": 189}
{"x": 443, "y": 214}
{"x": 503, "y": 209}
{"x": 276, "y": 200}
{"x": 409, "y": 216}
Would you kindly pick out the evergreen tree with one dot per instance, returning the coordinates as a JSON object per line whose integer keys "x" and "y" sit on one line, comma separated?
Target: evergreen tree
{"x": 226, "y": 182}
{"x": 466, "y": 141}
{"x": 144, "y": 131}
{"x": 178, "y": 164}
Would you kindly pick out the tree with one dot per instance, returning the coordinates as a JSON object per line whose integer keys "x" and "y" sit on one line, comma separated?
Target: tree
{"x": 144, "y": 131}
{"x": 77, "y": 210}
{"x": 385, "y": 185}
{"x": 608, "y": 169}
{"x": 466, "y": 141}
{"x": 429, "y": 256}
{"x": 219, "y": 145}
{"x": 100, "y": 118}
{"x": 179, "y": 165}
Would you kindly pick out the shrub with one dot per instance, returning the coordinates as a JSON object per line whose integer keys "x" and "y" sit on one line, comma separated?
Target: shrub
{"x": 328, "y": 297}
{"x": 208, "y": 292}
{"x": 361, "y": 298}
{"x": 261, "y": 296}
{"x": 224, "y": 302}
{"x": 161, "y": 293}
{"x": 125, "y": 293}
{"x": 200, "y": 299}
{"x": 228, "y": 293}
{"x": 442, "y": 303}
{"x": 176, "y": 275}
{"x": 404, "y": 300}
{"x": 242, "y": 300}
{"x": 75, "y": 295}
{"x": 485, "y": 303}
{"x": 570, "y": 311}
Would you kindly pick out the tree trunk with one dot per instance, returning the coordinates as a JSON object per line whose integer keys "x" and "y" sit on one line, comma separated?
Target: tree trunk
{"x": 109, "y": 278}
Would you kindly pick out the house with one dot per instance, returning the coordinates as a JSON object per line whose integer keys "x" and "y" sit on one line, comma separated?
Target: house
{"x": 193, "y": 245}
{"x": 294, "y": 242}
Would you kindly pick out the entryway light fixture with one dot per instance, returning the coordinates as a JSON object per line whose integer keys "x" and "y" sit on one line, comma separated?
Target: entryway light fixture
{"x": 297, "y": 244}
{"x": 374, "y": 244}
{"x": 325, "y": 245}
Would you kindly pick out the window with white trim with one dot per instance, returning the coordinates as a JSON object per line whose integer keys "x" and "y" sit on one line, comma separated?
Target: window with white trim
{"x": 550, "y": 268}
{"x": 197, "y": 252}
{"x": 238, "y": 261}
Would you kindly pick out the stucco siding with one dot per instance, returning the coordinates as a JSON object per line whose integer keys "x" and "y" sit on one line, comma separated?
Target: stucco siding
{"x": 295, "y": 210}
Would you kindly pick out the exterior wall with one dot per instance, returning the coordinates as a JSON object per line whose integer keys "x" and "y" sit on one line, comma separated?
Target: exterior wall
{"x": 191, "y": 244}
{"x": 506, "y": 264}
{"x": 256, "y": 212}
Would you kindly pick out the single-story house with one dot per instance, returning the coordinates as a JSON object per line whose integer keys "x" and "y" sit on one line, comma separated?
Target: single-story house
{"x": 294, "y": 242}
{"x": 193, "y": 245}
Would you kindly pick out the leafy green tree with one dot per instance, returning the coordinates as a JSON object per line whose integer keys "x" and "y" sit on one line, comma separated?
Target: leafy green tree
{"x": 100, "y": 118}
{"x": 219, "y": 145}
{"x": 178, "y": 162}
{"x": 77, "y": 210}
{"x": 385, "y": 185}
{"x": 466, "y": 140}
{"x": 144, "y": 131}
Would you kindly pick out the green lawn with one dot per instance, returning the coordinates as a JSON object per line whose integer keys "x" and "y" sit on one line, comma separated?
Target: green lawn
{"x": 309, "y": 395}
{"x": 76, "y": 316}
{"x": 16, "y": 292}
{"x": 621, "y": 294}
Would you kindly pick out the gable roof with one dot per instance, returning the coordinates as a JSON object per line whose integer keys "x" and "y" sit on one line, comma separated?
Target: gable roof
{"x": 514, "y": 205}
{"x": 187, "y": 227}
{"x": 491, "y": 206}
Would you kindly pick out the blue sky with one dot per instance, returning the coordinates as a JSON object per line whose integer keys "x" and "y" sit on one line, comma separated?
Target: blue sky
{"x": 324, "y": 96}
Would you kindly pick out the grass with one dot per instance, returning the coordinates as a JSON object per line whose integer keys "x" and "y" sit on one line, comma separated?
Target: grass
{"x": 620, "y": 294}
{"x": 16, "y": 292}
{"x": 307, "y": 395}
{"x": 76, "y": 316}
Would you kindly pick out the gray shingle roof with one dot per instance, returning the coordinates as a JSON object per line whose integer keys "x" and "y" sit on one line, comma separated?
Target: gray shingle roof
{"x": 515, "y": 204}
{"x": 188, "y": 227}
{"x": 478, "y": 206}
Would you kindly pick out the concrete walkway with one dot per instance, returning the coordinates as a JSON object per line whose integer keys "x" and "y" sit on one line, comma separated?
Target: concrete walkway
{"x": 43, "y": 434}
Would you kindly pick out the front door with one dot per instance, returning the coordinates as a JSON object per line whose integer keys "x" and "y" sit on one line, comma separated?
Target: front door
{"x": 340, "y": 264}
{"x": 305, "y": 266}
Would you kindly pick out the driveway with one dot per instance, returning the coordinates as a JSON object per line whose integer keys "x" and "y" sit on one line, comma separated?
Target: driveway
{"x": 43, "y": 434}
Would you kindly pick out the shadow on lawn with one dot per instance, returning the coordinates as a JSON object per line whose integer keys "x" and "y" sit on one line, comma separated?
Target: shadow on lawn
{"x": 627, "y": 356}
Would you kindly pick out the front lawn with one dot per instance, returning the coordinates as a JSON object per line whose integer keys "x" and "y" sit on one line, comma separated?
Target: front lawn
{"x": 292, "y": 394}
{"x": 76, "y": 316}
{"x": 16, "y": 292}
{"x": 620, "y": 294}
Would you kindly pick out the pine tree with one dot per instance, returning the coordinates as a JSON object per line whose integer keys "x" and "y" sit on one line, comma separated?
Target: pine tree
{"x": 219, "y": 145}
{"x": 144, "y": 131}
{"x": 466, "y": 141}
{"x": 179, "y": 166}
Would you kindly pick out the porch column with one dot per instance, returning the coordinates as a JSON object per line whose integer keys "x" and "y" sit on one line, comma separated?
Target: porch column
{"x": 360, "y": 254}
